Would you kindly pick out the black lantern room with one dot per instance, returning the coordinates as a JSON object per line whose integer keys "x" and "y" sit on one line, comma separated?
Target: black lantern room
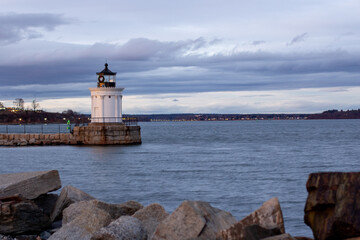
{"x": 106, "y": 78}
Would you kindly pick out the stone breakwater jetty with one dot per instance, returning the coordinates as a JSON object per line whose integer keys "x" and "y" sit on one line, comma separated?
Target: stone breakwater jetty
{"x": 93, "y": 134}
{"x": 29, "y": 212}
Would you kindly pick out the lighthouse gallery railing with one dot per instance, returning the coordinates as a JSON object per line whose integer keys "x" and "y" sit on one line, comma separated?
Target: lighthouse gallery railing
{"x": 127, "y": 121}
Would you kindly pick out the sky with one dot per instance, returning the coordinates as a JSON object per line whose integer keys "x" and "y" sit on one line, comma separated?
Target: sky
{"x": 198, "y": 56}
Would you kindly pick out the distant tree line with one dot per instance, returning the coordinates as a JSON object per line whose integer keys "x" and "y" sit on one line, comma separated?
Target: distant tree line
{"x": 18, "y": 114}
{"x": 35, "y": 117}
{"x": 19, "y": 104}
{"x": 214, "y": 117}
{"x": 330, "y": 114}
{"x": 336, "y": 114}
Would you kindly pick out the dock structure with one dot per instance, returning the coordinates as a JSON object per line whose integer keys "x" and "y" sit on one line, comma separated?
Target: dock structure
{"x": 93, "y": 134}
{"x": 106, "y": 127}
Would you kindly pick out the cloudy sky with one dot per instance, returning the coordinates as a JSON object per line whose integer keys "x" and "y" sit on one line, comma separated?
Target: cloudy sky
{"x": 198, "y": 56}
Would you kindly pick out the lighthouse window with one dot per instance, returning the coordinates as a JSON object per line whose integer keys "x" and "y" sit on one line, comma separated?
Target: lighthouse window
{"x": 109, "y": 96}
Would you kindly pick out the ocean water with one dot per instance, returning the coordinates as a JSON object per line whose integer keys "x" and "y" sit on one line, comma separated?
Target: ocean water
{"x": 235, "y": 165}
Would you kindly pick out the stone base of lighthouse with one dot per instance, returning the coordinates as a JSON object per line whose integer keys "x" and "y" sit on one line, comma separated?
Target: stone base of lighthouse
{"x": 107, "y": 134}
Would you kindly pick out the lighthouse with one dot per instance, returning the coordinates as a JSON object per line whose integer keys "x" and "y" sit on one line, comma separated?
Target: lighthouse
{"x": 106, "y": 98}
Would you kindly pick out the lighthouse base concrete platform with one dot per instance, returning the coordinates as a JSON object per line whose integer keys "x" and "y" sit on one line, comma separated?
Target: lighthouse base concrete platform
{"x": 107, "y": 134}
{"x": 93, "y": 134}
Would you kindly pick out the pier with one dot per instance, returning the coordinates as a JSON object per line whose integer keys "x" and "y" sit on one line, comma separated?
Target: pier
{"x": 93, "y": 134}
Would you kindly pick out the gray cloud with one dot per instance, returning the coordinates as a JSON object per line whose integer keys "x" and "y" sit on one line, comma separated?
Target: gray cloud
{"x": 15, "y": 27}
{"x": 145, "y": 49}
{"x": 255, "y": 43}
{"x": 298, "y": 38}
{"x": 147, "y": 66}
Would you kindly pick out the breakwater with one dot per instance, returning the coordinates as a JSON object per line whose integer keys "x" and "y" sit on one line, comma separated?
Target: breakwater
{"x": 93, "y": 134}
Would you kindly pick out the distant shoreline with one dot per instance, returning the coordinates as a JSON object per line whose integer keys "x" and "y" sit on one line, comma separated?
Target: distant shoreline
{"x": 330, "y": 114}
{"x": 11, "y": 116}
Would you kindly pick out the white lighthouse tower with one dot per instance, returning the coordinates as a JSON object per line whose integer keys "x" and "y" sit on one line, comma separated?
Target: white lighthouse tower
{"x": 106, "y": 98}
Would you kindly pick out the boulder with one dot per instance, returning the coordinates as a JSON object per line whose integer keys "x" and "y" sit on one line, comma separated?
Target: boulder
{"x": 19, "y": 215}
{"x": 255, "y": 232}
{"x": 118, "y": 210}
{"x": 150, "y": 217}
{"x": 68, "y": 195}
{"x": 332, "y": 209}
{"x": 194, "y": 219}
{"x": 84, "y": 225}
{"x": 46, "y": 202}
{"x": 124, "y": 228}
{"x": 114, "y": 210}
{"x": 284, "y": 236}
{"x": 268, "y": 216}
{"x": 77, "y": 209}
{"x": 30, "y": 185}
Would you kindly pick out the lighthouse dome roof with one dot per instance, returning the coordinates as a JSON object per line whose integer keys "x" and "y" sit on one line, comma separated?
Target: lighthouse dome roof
{"x": 106, "y": 71}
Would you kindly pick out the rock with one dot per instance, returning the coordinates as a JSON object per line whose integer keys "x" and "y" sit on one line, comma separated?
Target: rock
{"x": 268, "y": 216}
{"x": 193, "y": 219}
{"x": 124, "y": 228}
{"x": 118, "y": 210}
{"x": 284, "y": 236}
{"x": 89, "y": 221}
{"x": 77, "y": 209}
{"x": 68, "y": 195}
{"x": 27, "y": 237}
{"x": 32, "y": 141}
{"x": 150, "y": 217}
{"x": 18, "y": 215}
{"x": 53, "y": 230}
{"x": 255, "y": 232}
{"x": 45, "y": 235}
{"x": 29, "y": 184}
{"x": 332, "y": 209}
{"x": 115, "y": 210}
{"x": 22, "y": 142}
{"x": 304, "y": 238}
{"x": 46, "y": 202}
{"x": 56, "y": 224}
{"x": 3, "y": 237}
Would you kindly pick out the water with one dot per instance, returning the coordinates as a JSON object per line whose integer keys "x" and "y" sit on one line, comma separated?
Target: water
{"x": 236, "y": 166}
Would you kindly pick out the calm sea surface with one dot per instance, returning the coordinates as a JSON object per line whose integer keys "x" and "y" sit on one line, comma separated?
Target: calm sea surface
{"x": 236, "y": 166}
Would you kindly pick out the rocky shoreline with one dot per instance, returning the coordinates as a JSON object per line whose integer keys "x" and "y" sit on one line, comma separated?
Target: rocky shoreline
{"x": 29, "y": 212}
